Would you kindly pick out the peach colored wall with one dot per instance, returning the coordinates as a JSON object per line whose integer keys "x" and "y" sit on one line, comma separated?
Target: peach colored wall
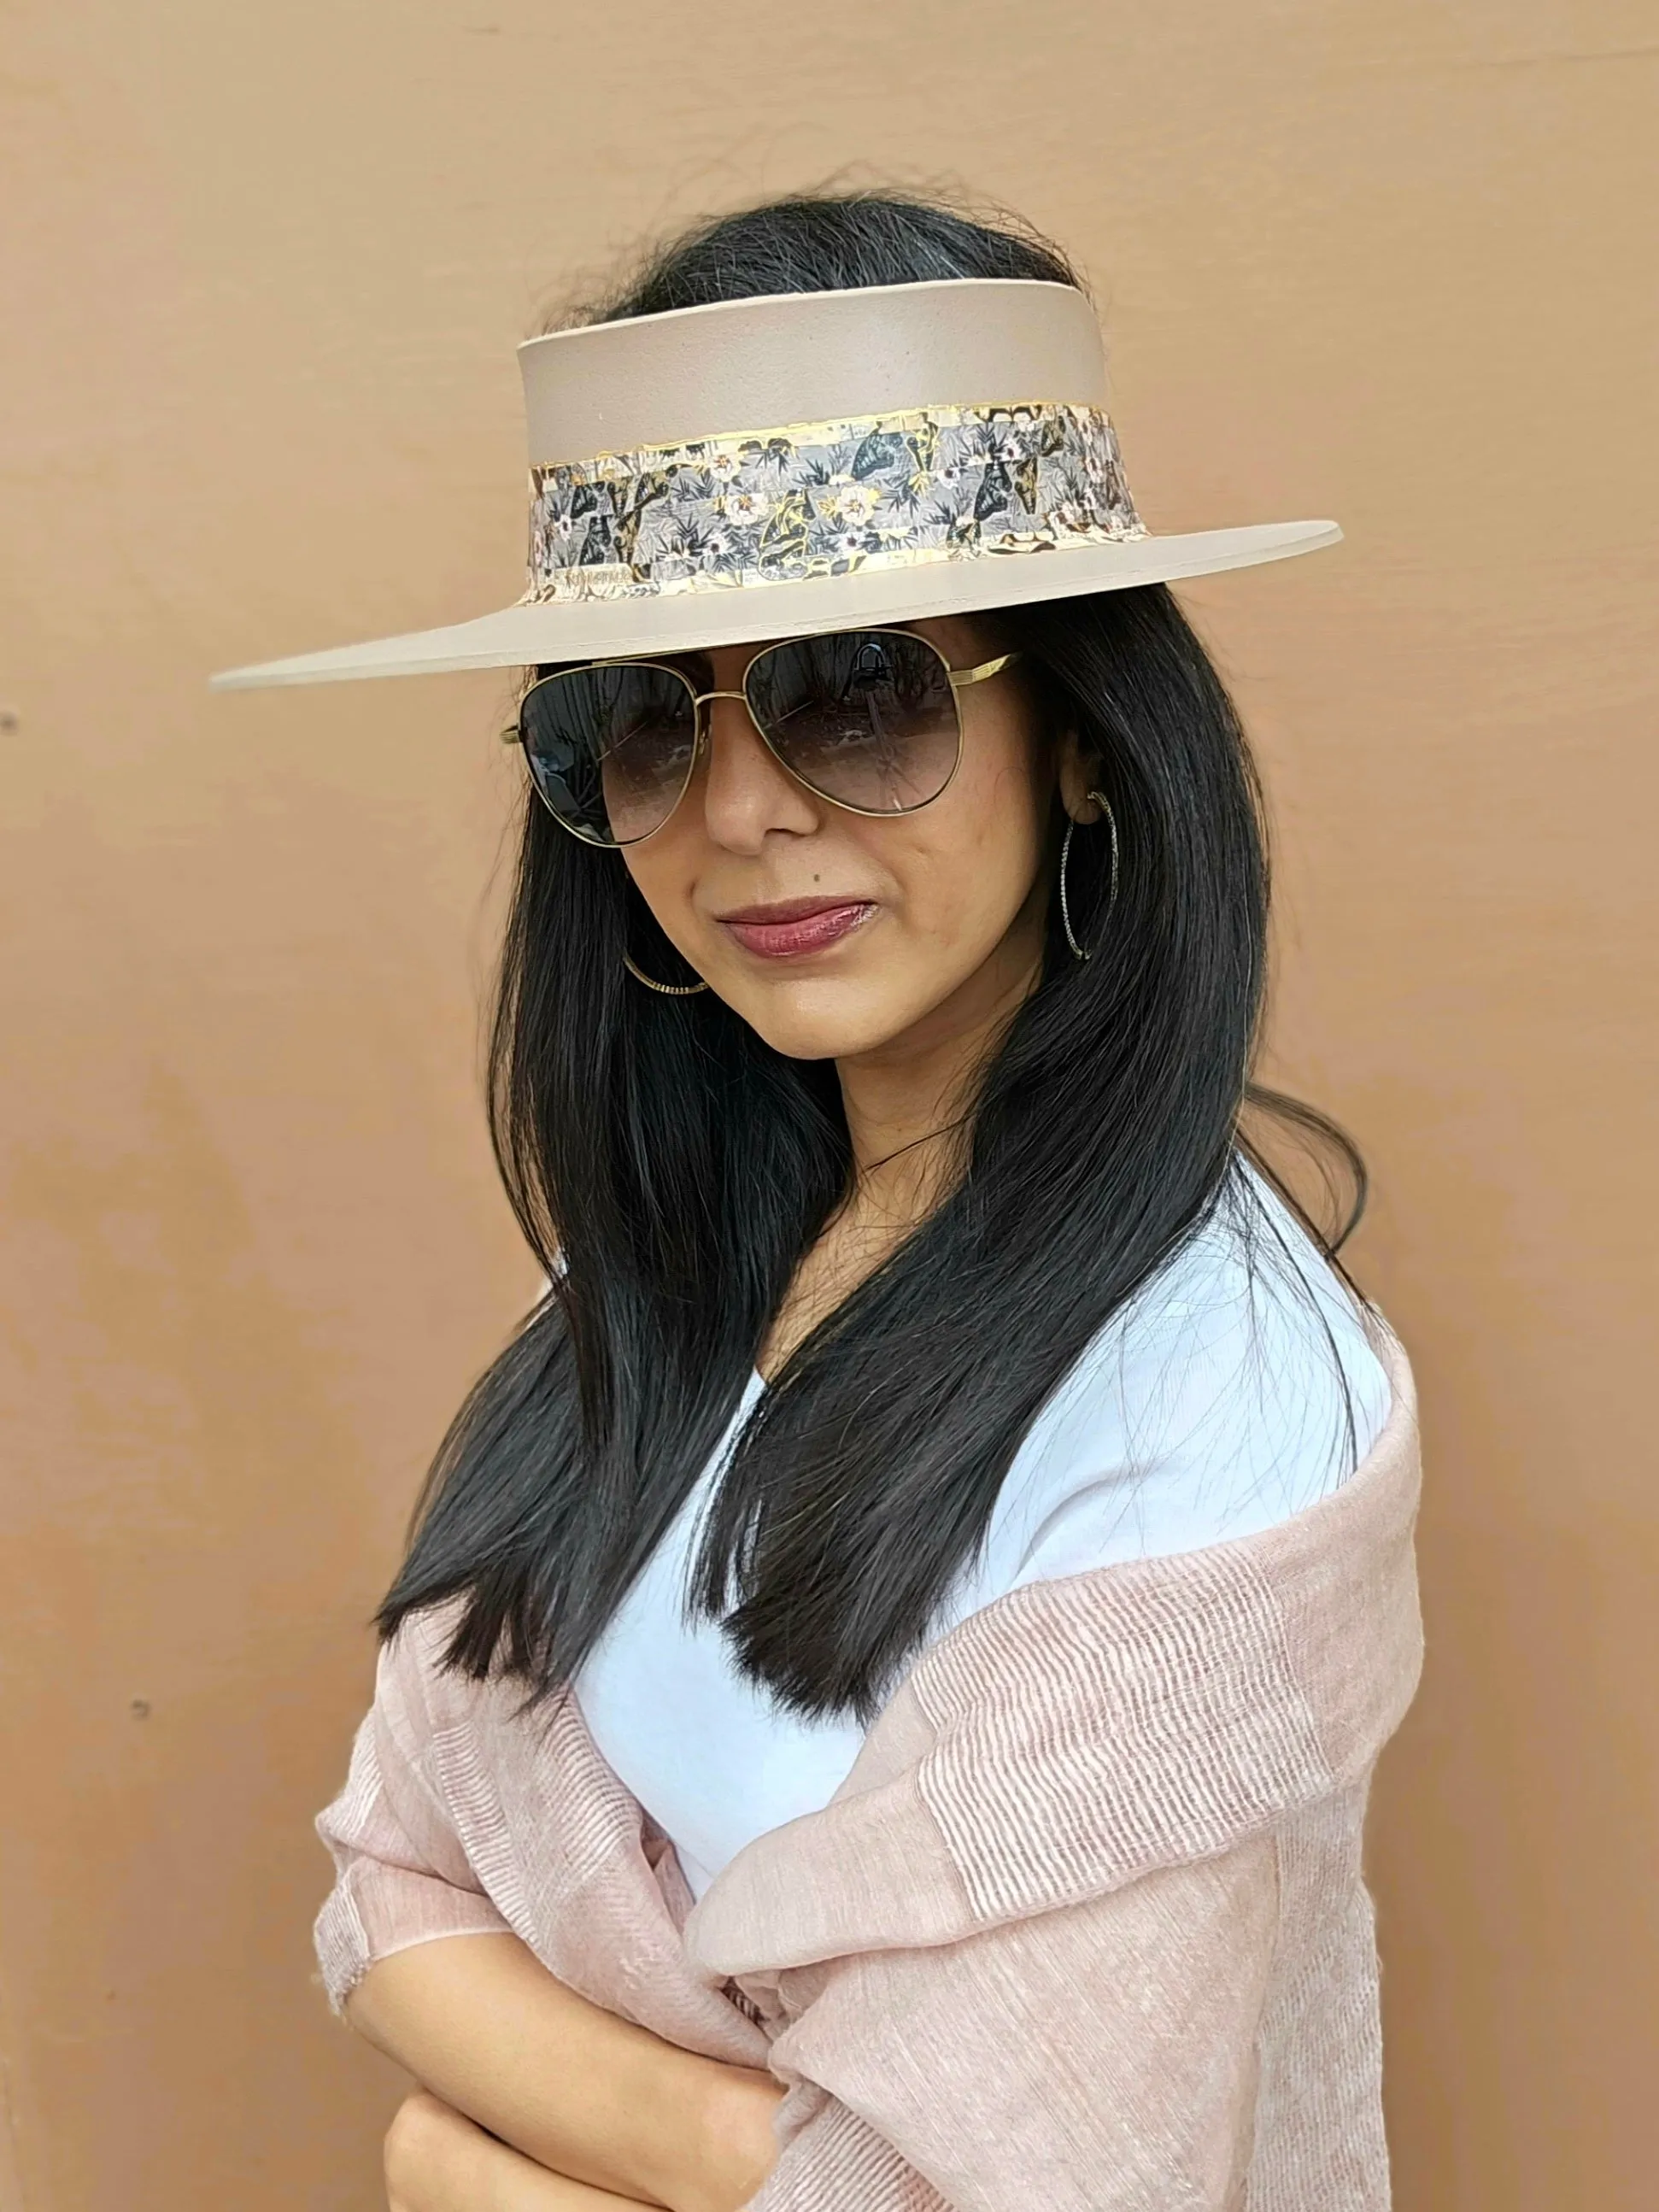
{"x": 264, "y": 269}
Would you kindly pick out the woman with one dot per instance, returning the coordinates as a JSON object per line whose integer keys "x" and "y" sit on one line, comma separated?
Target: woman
{"x": 878, "y": 1706}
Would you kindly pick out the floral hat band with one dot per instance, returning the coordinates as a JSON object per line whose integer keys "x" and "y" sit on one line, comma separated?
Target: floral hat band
{"x": 882, "y": 495}
{"x": 820, "y": 499}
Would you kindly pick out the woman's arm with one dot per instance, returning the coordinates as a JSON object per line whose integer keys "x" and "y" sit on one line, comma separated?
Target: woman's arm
{"x": 437, "y": 2161}
{"x": 480, "y": 2022}
{"x": 421, "y": 1963}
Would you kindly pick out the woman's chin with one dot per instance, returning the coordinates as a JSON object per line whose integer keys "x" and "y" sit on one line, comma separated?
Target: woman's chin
{"x": 817, "y": 1017}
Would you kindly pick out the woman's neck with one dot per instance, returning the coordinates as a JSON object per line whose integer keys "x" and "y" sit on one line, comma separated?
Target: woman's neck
{"x": 908, "y": 1102}
{"x": 907, "y": 1106}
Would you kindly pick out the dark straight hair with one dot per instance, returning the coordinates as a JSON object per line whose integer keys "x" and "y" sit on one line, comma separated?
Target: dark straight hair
{"x": 670, "y": 1170}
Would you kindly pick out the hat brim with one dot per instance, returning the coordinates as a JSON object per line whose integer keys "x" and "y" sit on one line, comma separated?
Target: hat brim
{"x": 682, "y": 622}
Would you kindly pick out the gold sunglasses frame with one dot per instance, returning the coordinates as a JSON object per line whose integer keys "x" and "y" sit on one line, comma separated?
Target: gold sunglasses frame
{"x": 958, "y": 679}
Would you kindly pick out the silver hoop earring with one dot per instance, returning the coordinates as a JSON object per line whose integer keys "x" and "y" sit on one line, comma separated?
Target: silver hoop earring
{"x": 1081, "y": 951}
{"x": 669, "y": 990}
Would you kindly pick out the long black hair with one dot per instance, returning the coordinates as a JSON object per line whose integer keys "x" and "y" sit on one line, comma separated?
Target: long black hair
{"x": 671, "y": 1170}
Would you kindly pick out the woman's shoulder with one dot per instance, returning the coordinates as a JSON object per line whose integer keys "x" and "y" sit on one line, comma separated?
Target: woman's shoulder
{"x": 1237, "y": 1388}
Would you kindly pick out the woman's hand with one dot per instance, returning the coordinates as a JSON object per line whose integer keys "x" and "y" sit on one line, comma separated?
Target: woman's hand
{"x": 738, "y": 2148}
{"x": 436, "y": 2160}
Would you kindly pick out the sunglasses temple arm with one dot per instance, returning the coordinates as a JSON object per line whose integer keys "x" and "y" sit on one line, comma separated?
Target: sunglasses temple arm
{"x": 961, "y": 677}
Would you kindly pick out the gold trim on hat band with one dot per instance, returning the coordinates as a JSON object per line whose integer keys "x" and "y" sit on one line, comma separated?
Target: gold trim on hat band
{"x": 823, "y": 498}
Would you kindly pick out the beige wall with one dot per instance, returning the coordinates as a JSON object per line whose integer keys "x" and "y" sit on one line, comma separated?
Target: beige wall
{"x": 264, "y": 268}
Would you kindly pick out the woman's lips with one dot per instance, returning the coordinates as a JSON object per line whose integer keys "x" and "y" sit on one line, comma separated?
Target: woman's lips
{"x": 804, "y": 932}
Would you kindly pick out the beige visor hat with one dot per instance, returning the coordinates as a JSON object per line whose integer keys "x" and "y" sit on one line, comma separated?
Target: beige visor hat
{"x": 769, "y": 468}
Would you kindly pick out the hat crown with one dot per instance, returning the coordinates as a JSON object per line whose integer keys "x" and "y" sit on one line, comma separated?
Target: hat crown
{"x": 793, "y": 357}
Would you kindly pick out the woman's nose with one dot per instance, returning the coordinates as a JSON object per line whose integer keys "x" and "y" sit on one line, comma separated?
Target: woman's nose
{"x": 746, "y": 790}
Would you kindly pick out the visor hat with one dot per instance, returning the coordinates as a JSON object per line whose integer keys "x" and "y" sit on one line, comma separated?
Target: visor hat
{"x": 803, "y": 462}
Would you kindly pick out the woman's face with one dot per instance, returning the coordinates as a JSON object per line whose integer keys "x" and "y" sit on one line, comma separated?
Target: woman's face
{"x": 941, "y": 910}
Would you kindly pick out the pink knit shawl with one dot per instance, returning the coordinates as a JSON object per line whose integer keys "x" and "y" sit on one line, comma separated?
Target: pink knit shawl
{"x": 1084, "y": 1929}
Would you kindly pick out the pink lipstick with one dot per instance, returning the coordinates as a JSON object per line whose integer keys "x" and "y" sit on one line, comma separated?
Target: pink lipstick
{"x": 795, "y": 925}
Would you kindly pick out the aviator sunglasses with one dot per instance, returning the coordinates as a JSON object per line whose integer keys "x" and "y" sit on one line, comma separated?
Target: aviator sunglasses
{"x": 869, "y": 720}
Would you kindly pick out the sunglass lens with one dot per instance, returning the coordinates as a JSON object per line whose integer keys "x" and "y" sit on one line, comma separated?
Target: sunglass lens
{"x": 611, "y": 748}
{"x": 867, "y": 718}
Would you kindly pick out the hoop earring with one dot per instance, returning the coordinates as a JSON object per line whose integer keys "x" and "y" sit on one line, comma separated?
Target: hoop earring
{"x": 1081, "y": 951}
{"x": 669, "y": 990}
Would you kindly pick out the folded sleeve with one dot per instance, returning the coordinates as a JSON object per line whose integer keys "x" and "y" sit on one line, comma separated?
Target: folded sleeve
{"x": 1100, "y": 2056}
{"x": 401, "y": 1874}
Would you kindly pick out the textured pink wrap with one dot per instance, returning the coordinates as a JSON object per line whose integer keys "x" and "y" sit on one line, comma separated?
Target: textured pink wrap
{"x": 1084, "y": 1929}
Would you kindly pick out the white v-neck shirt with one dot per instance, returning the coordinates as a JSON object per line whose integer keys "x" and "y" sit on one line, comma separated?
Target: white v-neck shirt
{"x": 1211, "y": 1406}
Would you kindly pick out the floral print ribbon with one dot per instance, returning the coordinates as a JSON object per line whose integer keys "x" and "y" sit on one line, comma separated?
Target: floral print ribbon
{"x": 822, "y": 499}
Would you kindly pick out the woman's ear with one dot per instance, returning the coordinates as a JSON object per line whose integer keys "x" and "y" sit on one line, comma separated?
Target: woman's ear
{"x": 1076, "y": 775}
